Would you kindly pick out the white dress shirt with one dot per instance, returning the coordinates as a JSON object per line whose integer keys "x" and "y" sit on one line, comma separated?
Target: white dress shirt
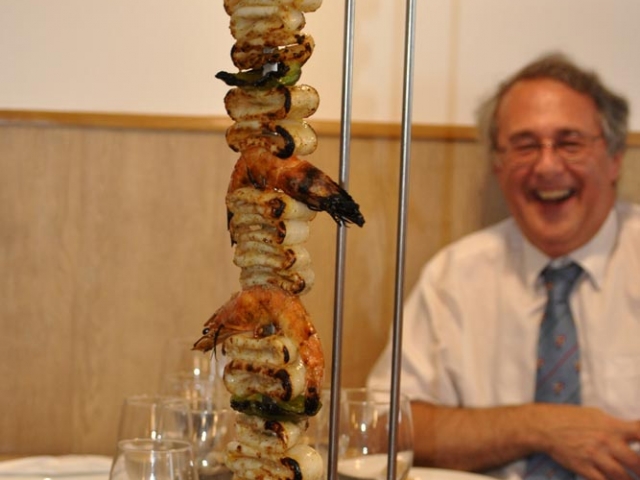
{"x": 471, "y": 323}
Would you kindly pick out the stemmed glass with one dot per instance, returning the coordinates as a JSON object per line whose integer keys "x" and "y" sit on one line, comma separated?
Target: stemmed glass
{"x": 178, "y": 356}
{"x": 196, "y": 389}
{"x": 364, "y": 435}
{"x": 144, "y": 416}
{"x": 197, "y": 378}
{"x": 210, "y": 430}
{"x": 191, "y": 374}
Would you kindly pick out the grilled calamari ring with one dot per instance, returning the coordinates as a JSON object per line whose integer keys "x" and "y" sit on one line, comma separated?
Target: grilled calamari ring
{"x": 301, "y": 462}
{"x": 255, "y": 23}
{"x": 271, "y": 436}
{"x": 247, "y": 55}
{"x": 230, "y": 6}
{"x": 295, "y": 282}
{"x": 294, "y": 102}
{"x": 283, "y": 138}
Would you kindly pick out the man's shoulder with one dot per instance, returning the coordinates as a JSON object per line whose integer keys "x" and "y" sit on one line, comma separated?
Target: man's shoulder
{"x": 629, "y": 215}
{"x": 481, "y": 249}
{"x": 490, "y": 240}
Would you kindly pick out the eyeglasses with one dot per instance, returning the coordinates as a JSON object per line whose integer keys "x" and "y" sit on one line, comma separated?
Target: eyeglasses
{"x": 572, "y": 147}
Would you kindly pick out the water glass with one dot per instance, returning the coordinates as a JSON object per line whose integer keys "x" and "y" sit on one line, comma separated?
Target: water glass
{"x": 148, "y": 459}
{"x": 142, "y": 416}
{"x": 192, "y": 374}
{"x": 178, "y": 356}
{"x": 364, "y": 435}
{"x": 210, "y": 430}
{"x": 196, "y": 389}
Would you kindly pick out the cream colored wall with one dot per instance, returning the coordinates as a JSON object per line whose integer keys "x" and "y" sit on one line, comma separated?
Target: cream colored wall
{"x": 160, "y": 56}
{"x": 113, "y": 241}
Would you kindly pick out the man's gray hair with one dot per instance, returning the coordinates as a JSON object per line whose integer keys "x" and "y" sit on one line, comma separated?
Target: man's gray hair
{"x": 613, "y": 108}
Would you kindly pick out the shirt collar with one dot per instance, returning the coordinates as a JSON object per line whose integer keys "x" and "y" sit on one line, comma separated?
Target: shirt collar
{"x": 592, "y": 256}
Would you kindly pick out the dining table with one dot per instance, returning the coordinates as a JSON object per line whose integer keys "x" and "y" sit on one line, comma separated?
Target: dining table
{"x": 96, "y": 467}
{"x": 54, "y": 467}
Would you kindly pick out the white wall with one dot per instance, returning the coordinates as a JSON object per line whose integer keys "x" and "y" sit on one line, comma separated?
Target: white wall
{"x": 160, "y": 56}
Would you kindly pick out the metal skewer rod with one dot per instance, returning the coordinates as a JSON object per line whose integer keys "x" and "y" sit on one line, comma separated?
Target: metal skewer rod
{"x": 341, "y": 237}
{"x": 405, "y": 155}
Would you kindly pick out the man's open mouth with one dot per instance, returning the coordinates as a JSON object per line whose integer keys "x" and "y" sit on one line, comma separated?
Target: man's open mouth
{"x": 554, "y": 196}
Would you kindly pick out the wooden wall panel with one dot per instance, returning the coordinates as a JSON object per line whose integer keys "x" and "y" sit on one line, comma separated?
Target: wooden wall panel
{"x": 113, "y": 241}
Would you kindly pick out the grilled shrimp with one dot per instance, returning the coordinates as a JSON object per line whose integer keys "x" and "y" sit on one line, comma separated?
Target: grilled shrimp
{"x": 260, "y": 313}
{"x": 297, "y": 178}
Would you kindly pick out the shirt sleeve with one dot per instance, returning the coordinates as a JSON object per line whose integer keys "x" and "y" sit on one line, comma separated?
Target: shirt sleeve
{"x": 426, "y": 354}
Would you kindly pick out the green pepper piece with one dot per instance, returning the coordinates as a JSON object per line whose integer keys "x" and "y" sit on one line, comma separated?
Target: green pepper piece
{"x": 286, "y": 75}
{"x": 267, "y": 407}
{"x": 292, "y": 75}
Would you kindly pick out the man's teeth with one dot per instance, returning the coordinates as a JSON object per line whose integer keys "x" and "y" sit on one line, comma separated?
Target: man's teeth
{"x": 554, "y": 195}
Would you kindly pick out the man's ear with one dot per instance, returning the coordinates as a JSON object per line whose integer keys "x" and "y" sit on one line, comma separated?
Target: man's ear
{"x": 616, "y": 167}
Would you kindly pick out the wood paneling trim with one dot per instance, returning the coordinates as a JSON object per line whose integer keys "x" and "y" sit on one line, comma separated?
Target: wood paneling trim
{"x": 220, "y": 124}
{"x": 114, "y": 120}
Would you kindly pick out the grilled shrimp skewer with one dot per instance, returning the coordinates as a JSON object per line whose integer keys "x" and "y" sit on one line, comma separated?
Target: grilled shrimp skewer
{"x": 275, "y": 363}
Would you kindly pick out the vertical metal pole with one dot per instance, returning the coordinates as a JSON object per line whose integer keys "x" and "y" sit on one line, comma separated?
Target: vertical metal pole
{"x": 405, "y": 154}
{"x": 345, "y": 136}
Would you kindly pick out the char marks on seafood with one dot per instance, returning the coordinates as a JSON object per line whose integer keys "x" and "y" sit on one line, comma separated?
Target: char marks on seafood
{"x": 275, "y": 365}
{"x": 297, "y": 178}
{"x": 263, "y": 311}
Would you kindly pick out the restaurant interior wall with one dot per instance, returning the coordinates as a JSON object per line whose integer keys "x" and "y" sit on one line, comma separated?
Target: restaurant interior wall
{"x": 160, "y": 56}
{"x": 112, "y": 241}
{"x": 112, "y": 234}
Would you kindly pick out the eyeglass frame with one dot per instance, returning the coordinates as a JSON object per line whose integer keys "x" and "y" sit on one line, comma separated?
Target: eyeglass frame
{"x": 537, "y": 146}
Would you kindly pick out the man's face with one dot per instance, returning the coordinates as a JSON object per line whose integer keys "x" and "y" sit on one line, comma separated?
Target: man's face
{"x": 559, "y": 205}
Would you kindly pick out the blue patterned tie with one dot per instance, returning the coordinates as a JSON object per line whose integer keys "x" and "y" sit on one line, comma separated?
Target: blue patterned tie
{"x": 558, "y": 377}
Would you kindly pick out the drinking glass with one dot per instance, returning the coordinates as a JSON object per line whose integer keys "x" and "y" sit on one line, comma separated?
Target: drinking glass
{"x": 210, "y": 430}
{"x": 149, "y": 459}
{"x": 196, "y": 389}
{"x": 142, "y": 416}
{"x": 317, "y": 433}
{"x": 364, "y": 435}
{"x": 190, "y": 373}
{"x": 178, "y": 356}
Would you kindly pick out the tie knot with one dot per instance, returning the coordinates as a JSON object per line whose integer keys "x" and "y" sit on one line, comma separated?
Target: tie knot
{"x": 559, "y": 281}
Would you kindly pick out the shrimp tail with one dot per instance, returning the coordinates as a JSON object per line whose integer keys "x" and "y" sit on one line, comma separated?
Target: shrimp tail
{"x": 310, "y": 185}
{"x": 299, "y": 179}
